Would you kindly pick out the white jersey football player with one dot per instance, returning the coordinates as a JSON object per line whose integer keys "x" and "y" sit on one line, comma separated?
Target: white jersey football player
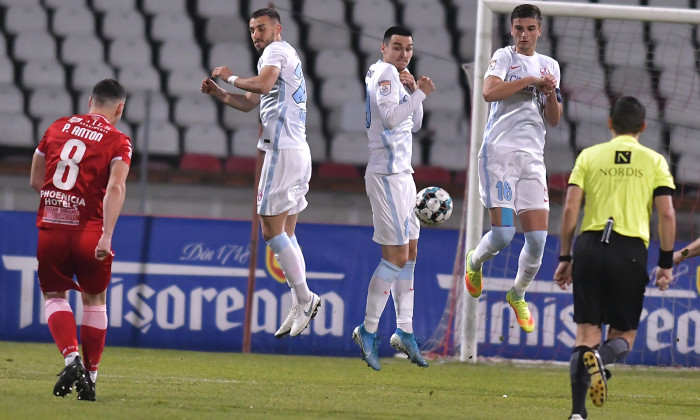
{"x": 523, "y": 88}
{"x": 280, "y": 90}
{"x": 394, "y": 111}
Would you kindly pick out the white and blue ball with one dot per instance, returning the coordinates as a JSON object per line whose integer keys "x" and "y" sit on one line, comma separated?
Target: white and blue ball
{"x": 433, "y": 206}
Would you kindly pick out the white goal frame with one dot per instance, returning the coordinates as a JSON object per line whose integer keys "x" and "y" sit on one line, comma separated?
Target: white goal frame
{"x": 483, "y": 51}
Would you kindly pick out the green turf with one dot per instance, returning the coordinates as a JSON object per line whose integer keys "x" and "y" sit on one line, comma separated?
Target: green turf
{"x": 157, "y": 384}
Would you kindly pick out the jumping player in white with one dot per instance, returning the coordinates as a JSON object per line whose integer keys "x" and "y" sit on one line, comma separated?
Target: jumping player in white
{"x": 394, "y": 111}
{"x": 280, "y": 90}
{"x": 523, "y": 88}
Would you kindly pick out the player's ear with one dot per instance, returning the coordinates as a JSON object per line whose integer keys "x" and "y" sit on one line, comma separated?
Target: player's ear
{"x": 610, "y": 124}
{"x": 644, "y": 127}
{"x": 120, "y": 110}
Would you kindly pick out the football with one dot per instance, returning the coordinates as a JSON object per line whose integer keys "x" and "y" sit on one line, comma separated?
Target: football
{"x": 433, "y": 206}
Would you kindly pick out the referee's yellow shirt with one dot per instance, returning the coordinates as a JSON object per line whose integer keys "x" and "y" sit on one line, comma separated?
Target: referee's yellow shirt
{"x": 618, "y": 179}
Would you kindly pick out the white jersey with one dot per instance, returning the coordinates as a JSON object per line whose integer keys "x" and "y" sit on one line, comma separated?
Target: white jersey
{"x": 392, "y": 116}
{"x": 283, "y": 110}
{"x": 517, "y": 122}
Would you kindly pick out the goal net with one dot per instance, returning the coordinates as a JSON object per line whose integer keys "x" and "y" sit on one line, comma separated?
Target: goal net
{"x": 604, "y": 51}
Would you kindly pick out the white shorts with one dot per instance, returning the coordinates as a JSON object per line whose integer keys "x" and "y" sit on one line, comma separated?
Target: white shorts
{"x": 284, "y": 181}
{"x": 515, "y": 180}
{"x": 393, "y": 198}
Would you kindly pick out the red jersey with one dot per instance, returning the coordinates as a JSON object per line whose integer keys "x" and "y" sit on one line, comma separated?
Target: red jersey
{"x": 78, "y": 152}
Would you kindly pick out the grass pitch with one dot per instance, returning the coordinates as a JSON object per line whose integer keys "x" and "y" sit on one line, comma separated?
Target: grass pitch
{"x": 156, "y": 384}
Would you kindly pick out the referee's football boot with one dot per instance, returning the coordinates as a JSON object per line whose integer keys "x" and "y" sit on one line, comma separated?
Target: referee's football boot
{"x": 286, "y": 326}
{"x": 406, "y": 343}
{"x": 472, "y": 277}
{"x": 598, "y": 391}
{"x": 86, "y": 388}
{"x": 72, "y": 373}
{"x": 303, "y": 315}
{"x": 369, "y": 344}
{"x": 522, "y": 312}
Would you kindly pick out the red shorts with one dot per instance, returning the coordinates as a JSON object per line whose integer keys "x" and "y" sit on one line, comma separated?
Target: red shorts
{"x": 63, "y": 253}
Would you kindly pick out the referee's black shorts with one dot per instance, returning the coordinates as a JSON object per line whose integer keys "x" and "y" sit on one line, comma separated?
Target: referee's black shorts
{"x": 609, "y": 280}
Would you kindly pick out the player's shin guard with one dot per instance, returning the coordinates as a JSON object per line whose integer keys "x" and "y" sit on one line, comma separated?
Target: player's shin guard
{"x": 495, "y": 240}
{"x": 61, "y": 321}
{"x": 378, "y": 293}
{"x": 580, "y": 381}
{"x": 92, "y": 335}
{"x": 402, "y": 292}
{"x": 290, "y": 263}
{"x": 530, "y": 260}
{"x": 613, "y": 350}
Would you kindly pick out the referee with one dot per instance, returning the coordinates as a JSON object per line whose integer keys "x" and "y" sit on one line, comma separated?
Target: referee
{"x": 619, "y": 180}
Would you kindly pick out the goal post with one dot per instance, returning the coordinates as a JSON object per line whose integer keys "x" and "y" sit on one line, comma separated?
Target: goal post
{"x": 467, "y": 324}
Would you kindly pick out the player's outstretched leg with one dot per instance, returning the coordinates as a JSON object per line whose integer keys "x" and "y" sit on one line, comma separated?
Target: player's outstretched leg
{"x": 369, "y": 343}
{"x": 473, "y": 277}
{"x": 598, "y": 390}
{"x": 406, "y": 343}
{"x": 522, "y": 312}
{"x": 72, "y": 373}
{"x": 304, "y": 314}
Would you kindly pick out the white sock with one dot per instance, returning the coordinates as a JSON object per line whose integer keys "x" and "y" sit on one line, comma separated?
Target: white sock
{"x": 484, "y": 251}
{"x": 70, "y": 357}
{"x": 290, "y": 263}
{"x": 403, "y": 295}
{"x": 529, "y": 261}
{"x": 378, "y": 293}
{"x": 93, "y": 376}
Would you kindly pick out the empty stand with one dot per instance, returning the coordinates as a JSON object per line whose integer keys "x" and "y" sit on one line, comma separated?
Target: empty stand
{"x": 205, "y": 139}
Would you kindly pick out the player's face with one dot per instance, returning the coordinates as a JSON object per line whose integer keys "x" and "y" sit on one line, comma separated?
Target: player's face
{"x": 264, "y": 31}
{"x": 525, "y": 32}
{"x": 398, "y": 51}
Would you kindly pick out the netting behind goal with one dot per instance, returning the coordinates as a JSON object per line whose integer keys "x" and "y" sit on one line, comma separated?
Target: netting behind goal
{"x": 600, "y": 59}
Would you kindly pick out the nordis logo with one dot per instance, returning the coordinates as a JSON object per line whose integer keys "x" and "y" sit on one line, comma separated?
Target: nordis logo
{"x": 273, "y": 267}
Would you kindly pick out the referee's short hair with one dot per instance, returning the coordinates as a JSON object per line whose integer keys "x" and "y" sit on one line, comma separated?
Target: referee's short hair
{"x": 627, "y": 115}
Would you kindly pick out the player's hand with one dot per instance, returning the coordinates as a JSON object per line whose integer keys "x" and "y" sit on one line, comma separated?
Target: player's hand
{"x": 210, "y": 87}
{"x": 547, "y": 84}
{"x": 407, "y": 80}
{"x": 104, "y": 247}
{"x": 562, "y": 275}
{"x": 664, "y": 276}
{"x": 223, "y": 72}
{"x": 426, "y": 85}
{"x": 678, "y": 257}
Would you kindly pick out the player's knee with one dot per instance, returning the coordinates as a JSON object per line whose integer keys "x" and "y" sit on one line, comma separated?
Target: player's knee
{"x": 501, "y": 236}
{"x": 535, "y": 242}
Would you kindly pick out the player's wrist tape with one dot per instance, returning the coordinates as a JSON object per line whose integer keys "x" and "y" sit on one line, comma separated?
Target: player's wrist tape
{"x": 231, "y": 79}
{"x": 565, "y": 258}
{"x": 665, "y": 259}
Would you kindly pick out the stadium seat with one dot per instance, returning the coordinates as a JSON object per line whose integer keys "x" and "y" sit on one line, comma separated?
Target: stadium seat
{"x": 234, "y": 119}
{"x": 7, "y": 70}
{"x": 338, "y": 171}
{"x": 626, "y": 49}
{"x": 449, "y": 154}
{"x": 445, "y": 127}
{"x": 236, "y": 55}
{"x": 57, "y": 4}
{"x": 573, "y": 27}
{"x": 423, "y": 14}
{"x": 130, "y": 52}
{"x": 12, "y": 99}
{"x": 687, "y": 171}
{"x": 186, "y": 80}
{"x": 349, "y": 117}
{"x": 179, "y": 54}
{"x": 26, "y": 17}
{"x": 679, "y": 84}
{"x": 123, "y": 23}
{"x": 448, "y": 98}
{"x": 675, "y": 56}
{"x": 153, "y": 7}
{"x": 82, "y": 48}
{"x": 109, "y": 5}
{"x": 171, "y": 26}
{"x": 370, "y": 41}
{"x": 433, "y": 175}
{"x": 238, "y": 164}
{"x": 576, "y": 51}
{"x": 317, "y": 144}
{"x": 86, "y": 75}
{"x": 68, "y": 20}
{"x": 434, "y": 41}
{"x": 466, "y": 16}
{"x": 684, "y": 141}
{"x": 200, "y": 162}
{"x": 583, "y": 82}
{"x": 135, "y": 78}
{"x": 314, "y": 117}
{"x": 217, "y": 8}
{"x": 653, "y": 136}
{"x": 323, "y": 35}
{"x": 16, "y": 130}
{"x": 676, "y": 111}
{"x": 135, "y": 108}
{"x": 349, "y": 148}
{"x": 589, "y": 134}
{"x": 559, "y": 159}
{"x": 441, "y": 71}
{"x": 205, "y": 139}
{"x": 559, "y": 136}
{"x": 225, "y": 28}
{"x": 43, "y": 73}
{"x": 680, "y": 4}
{"x": 335, "y": 92}
{"x": 596, "y": 111}
{"x": 44, "y": 102}
{"x": 332, "y": 63}
{"x": 34, "y": 46}
{"x": 558, "y": 181}
{"x": 244, "y": 141}
{"x": 373, "y": 13}
{"x": 332, "y": 11}
{"x": 195, "y": 108}
{"x": 162, "y": 138}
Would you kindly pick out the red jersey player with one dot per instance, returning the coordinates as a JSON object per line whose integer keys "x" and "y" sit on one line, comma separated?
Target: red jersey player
{"x": 80, "y": 169}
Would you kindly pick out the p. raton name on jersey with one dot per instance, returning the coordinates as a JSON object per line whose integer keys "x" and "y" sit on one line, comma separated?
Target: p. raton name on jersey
{"x": 94, "y": 133}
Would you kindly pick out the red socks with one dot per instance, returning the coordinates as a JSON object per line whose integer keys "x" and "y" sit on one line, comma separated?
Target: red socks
{"x": 61, "y": 320}
{"x": 92, "y": 334}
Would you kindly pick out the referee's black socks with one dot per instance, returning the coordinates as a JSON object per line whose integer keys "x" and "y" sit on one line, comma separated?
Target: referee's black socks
{"x": 580, "y": 381}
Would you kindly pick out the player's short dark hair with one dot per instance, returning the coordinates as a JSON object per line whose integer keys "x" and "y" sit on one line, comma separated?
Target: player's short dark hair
{"x": 526, "y": 11}
{"x": 267, "y": 11}
{"x": 108, "y": 90}
{"x": 395, "y": 30}
{"x": 627, "y": 115}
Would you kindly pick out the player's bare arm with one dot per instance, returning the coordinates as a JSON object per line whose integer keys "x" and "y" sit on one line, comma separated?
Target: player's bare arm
{"x": 112, "y": 206}
{"x": 691, "y": 250}
{"x": 552, "y": 107}
{"x": 667, "y": 236}
{"x": 572, "y": 206}
{"x": 496, "y": 89}
{"x": 36, "y": 177}
{"x": 244, "y": 103}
